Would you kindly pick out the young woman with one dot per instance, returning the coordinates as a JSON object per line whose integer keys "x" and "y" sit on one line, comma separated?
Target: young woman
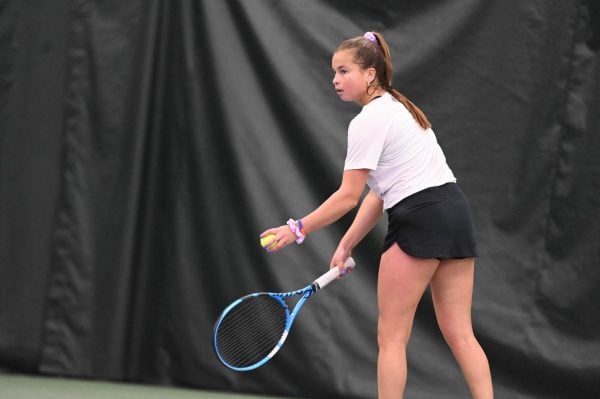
{"x": 430, "y": 240}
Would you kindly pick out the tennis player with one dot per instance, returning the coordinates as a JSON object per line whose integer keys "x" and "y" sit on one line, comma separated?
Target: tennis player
{"x": 430, "y": 240}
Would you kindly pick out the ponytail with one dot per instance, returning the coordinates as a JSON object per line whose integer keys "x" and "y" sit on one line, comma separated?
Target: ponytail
{"x": 386, "y": 82}
{"x": 372, "y": 51}
{"x": 411, "y": 107}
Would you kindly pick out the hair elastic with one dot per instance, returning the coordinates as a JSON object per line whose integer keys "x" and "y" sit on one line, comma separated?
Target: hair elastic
{"x": 370, "y": 36}
{"x": 296, "y": 227}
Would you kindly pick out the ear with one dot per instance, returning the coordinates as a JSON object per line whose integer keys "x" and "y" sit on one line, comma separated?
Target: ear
{"x": 371, "y": 74}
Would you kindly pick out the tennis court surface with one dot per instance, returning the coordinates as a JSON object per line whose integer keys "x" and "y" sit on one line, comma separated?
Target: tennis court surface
{"x": 34, "y": 387}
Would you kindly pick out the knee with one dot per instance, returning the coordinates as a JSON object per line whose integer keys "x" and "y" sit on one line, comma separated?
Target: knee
{"x": 458, "y": 338}
{"x": 389, "y": 334}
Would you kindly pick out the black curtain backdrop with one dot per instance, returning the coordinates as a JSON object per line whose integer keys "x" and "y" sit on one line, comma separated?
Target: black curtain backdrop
{"x": 145, "y": 144}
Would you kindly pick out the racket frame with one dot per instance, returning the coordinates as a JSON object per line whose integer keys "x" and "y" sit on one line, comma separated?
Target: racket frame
{"x": 304, "y": 294}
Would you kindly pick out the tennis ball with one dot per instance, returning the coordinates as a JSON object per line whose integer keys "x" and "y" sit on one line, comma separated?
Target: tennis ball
{"x": 268, "y": 241}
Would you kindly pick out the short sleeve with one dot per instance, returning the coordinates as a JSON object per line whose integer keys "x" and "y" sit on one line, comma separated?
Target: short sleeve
{"x": 366, "y": 140}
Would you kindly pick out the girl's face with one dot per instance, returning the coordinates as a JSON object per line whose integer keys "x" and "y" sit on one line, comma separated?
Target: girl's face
{"x": 350, "y": 80}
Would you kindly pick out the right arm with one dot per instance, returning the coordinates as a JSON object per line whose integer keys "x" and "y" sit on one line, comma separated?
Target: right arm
{"x": 366, "y": 218}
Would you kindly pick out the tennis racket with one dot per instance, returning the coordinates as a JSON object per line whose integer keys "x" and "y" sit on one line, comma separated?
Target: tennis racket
{"x": 252, "y": 329}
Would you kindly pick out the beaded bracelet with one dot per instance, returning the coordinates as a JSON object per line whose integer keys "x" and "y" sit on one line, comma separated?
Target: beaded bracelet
{"x": 296, "y": 228}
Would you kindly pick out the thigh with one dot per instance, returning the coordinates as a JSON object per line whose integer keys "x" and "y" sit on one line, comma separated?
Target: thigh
{"x": 452, "y": 292}
{"x": 401, "y": 283}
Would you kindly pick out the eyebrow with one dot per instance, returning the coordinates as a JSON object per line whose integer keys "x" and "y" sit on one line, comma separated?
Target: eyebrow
{"x": 340, "y": 66}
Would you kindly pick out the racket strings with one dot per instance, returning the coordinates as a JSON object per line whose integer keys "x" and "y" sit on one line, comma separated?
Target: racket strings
{"x": 230, "y": 337}
{"x": 249, "y": 331}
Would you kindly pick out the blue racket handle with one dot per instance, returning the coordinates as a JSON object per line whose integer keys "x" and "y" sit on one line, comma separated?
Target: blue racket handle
{"x": 332, "y": 274}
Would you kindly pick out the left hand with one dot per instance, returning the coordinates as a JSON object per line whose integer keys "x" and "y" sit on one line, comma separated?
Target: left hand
{"x": 283, "y": 237}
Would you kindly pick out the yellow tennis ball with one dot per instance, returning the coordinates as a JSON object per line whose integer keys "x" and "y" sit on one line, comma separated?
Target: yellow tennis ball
{"x": 267, "y": 241}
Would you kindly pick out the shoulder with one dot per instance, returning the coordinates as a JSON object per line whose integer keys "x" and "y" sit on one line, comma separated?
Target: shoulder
{"x": 385, "y": 107}
{"x": 376, "y": 114}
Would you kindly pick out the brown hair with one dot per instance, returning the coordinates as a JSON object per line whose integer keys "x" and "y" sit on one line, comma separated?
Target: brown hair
{"x": 369, "y": 54}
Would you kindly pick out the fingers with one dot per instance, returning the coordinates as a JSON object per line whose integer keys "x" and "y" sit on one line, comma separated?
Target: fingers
{"x": 282, "y": 237}
{"x": 276, "y": 245}
{"x": 339, "y": 260}
{"x": 344, "y": 270}
{"x": 269, "y": 232}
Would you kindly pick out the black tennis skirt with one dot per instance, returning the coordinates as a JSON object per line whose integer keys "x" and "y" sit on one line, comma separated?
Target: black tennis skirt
{"x": 433, "y": 223}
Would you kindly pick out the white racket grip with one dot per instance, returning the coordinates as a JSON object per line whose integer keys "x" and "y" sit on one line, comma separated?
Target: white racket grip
{"x": 332, "y": 274}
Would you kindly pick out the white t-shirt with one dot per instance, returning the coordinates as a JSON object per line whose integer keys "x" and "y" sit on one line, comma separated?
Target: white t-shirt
{"x": 403, "y": 158}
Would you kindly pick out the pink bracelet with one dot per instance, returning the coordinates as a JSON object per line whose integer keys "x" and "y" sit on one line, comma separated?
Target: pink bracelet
{"x": 293, "y": 225}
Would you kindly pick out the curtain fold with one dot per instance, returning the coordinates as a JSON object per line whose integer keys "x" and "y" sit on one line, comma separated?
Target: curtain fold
{"x": 144, "y": 145}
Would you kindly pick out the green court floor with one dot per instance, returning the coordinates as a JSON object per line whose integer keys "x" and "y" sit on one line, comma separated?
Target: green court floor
{"x": 33, "y": 387}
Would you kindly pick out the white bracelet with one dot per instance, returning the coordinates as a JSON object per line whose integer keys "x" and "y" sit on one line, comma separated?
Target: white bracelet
{"x": 293, "y": 225}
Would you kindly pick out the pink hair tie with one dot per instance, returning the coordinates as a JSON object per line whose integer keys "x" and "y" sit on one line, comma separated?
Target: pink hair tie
{"x": 370, "y": 36}
{"x": 293, "y": 225}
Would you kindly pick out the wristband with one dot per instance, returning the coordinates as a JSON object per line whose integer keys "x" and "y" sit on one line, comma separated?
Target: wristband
{"x": 293, "y": 225}
{"x": 301, "y": 227}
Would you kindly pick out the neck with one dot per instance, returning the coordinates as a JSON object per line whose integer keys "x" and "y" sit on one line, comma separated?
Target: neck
{"x": 368, "y": 98}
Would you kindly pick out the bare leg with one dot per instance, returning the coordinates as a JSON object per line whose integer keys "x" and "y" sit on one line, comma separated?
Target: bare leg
{"x": 452, "y": 291}
{"x": 401, "y": 283}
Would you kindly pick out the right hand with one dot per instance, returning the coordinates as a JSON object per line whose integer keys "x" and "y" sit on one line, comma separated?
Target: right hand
{"x": 339, "y": 258}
